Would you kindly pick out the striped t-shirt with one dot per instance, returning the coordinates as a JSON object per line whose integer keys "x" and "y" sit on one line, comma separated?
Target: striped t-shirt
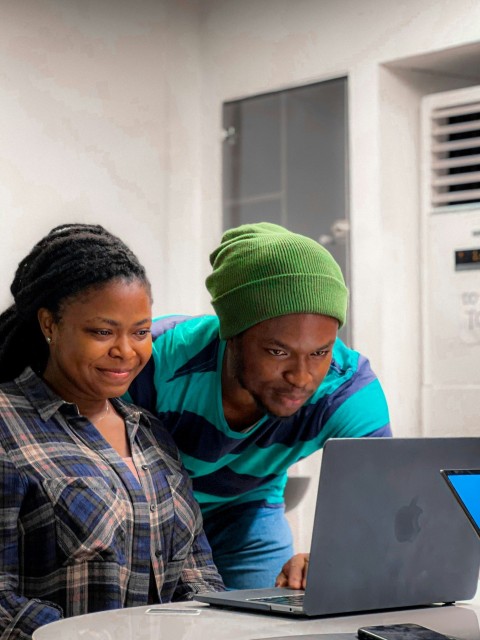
{"x": 182, "y": 385}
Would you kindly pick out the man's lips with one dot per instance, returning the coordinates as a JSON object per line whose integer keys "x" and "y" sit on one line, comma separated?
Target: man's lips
{"x": 288, "y": 397}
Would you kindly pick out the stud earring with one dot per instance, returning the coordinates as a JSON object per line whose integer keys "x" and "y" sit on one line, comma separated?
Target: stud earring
{"x": 48, "y": 339}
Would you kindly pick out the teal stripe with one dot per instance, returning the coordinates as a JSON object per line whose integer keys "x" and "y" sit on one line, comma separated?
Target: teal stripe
{"x": 197, "y": 467}
{"x": 351, "y": 420}
{"x": 272, "y": 460}
{"x": 254, "y": 461}
{"x": 344, "y": 367}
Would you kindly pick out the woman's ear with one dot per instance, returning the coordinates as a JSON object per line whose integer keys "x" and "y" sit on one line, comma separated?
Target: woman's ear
{"x": 46, "y": 321}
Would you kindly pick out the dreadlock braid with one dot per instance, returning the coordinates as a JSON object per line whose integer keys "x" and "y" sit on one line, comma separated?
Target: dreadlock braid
{"x": 67, "y": 261}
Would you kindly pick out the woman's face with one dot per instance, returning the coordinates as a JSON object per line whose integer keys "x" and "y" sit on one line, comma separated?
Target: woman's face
{"x": 101, "y": 342}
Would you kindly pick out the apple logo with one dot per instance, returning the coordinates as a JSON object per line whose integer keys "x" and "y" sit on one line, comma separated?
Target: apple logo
{"x": 407, "y": 524}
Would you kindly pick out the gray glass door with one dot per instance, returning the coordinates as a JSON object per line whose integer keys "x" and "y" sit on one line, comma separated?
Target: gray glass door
{"x": 285, "y": 160}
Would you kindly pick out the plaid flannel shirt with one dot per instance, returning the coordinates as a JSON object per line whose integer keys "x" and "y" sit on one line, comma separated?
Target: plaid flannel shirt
{"x": 78, "y": 531}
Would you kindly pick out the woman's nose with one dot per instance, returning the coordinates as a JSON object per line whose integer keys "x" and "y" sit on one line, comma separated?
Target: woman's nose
{"x": 122, "y": 348}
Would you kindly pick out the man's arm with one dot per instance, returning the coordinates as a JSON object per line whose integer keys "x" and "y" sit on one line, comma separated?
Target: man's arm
{"x": 294, "y": 572}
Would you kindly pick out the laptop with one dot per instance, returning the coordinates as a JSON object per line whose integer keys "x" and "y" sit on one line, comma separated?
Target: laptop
{"x": 386, "y": 534}
{"x": 465, "y": 486}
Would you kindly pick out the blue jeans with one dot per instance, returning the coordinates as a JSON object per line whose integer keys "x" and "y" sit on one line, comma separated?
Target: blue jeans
{"x": 250, "y": 544}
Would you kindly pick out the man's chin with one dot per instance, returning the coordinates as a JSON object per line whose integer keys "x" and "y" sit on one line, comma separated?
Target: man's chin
{"x": 278, "y": 413}
{"x": 277, "y": 409}
{"x": 287, "y": 408}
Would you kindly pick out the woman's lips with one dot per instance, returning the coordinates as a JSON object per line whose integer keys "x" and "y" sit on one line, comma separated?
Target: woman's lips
{"x": 116, "y": 374}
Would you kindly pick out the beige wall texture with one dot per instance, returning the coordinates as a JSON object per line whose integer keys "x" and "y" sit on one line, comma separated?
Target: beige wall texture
{"x": 110, "y": 112}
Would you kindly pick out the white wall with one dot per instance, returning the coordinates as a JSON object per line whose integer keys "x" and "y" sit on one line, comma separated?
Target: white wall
{"x": 111, "y": 112}
{"x": 99, "y": 105}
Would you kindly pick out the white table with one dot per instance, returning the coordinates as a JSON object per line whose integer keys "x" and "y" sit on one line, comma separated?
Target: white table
{"x": 208, "y": 623}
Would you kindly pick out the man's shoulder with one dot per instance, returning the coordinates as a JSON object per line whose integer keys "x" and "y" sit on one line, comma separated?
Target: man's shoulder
{"x": 184, "y": 328}
{"x": 181, "y": 342}
{"x": 350, "y": 398}
{"x": 348, "y": 367}
{"x": 346, "y": 362}
{"x": 183, "y": 347}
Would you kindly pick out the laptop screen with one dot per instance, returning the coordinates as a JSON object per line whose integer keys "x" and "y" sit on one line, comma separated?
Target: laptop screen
{"x": 465, "y": 485}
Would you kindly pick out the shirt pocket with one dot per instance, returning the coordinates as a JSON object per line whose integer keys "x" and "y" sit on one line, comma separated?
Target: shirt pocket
{"x": 184, "y": 519}
{"x": 89, "y": 519}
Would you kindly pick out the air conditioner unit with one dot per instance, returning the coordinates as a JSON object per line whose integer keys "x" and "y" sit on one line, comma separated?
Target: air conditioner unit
{"x": 450, "y": 195}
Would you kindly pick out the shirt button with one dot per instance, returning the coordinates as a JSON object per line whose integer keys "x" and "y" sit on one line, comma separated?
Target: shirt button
{"x": 144, "y": 467}
{"x": 158, "y": 553}
{"x": 153, "y": 507}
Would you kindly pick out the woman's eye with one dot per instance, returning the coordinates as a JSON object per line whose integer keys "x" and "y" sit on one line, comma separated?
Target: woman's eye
{"x": 143, "y": 332}
{"x": 103, "y": 333}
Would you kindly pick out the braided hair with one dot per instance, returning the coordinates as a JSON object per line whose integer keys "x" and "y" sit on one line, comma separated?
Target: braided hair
{"x": 67, "y": 261}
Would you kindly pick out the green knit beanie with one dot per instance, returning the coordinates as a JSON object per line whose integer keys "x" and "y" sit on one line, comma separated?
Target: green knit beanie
{"x": 263, "y": 271}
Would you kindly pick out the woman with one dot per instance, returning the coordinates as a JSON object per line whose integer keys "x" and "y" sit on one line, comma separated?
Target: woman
{"x": 96, "y": 511}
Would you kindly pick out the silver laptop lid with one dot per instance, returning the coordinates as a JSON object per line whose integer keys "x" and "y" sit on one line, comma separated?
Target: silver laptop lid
{"x": 386, "y": 533}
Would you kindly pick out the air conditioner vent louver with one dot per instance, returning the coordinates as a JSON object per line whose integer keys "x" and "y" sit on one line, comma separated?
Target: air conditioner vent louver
{"x": 455, "y": 155}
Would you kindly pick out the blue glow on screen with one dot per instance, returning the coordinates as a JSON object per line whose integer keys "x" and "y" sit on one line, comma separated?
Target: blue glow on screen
{"x": 468, "y": 488}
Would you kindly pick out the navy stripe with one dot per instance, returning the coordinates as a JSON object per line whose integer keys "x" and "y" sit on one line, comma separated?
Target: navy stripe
{"x": 227, "y": 483}
{"x": 142, "y": 390}
{"x": 197, "y": 437}
{"x": 383, "y": 432}
{"x": 204, "y": 361}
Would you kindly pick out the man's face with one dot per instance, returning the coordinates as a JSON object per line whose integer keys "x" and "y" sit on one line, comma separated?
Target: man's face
{"x": 282, "y": 361}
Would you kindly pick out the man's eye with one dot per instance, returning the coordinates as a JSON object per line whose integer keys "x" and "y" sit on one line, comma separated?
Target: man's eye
{"x": 276, "y": 352}
{"x": 143, "y": 332}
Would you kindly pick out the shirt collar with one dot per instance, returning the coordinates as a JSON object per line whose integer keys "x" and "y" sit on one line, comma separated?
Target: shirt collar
{"x": 46, "y": 402}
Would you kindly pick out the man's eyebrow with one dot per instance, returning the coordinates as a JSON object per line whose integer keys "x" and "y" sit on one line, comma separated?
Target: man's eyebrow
{"x": 326, "y": 346}
{"x": 279, "y": 343}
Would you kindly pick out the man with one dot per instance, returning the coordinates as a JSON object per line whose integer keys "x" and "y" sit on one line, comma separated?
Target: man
{"x": 252, "y": 390}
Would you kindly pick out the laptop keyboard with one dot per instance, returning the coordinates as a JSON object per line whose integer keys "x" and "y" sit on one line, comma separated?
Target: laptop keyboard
{"x": 294, "y": 600}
